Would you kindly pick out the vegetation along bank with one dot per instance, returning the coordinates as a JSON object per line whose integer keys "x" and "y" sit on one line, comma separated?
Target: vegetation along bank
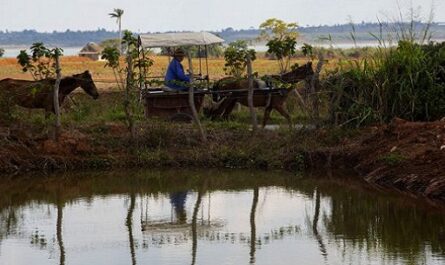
{"x": 380, "y": 114}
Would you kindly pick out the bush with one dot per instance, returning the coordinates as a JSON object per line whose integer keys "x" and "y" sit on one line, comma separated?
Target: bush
{"x": 407, "y": 82}
{"x": 235, "y": 56}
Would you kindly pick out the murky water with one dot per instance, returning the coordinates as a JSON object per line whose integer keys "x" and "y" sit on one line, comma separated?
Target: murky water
{"x": 212, "y": 217}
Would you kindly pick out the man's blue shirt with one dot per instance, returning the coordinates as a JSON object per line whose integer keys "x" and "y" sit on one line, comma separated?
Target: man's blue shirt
{"x": 175, "y": 73}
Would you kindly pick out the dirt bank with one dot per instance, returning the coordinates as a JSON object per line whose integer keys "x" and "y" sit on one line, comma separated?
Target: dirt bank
{"x": 407, "y": 156}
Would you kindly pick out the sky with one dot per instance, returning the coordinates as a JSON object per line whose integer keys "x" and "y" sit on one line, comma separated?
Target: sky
{"x": 196, "y": 15}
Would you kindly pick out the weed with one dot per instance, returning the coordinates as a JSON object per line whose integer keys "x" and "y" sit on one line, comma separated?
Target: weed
{"x": 392, "y": 159}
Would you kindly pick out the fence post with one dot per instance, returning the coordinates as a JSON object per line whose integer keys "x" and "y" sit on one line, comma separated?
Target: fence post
{"x": 192, "y": 101}
{"x": 56, "y": 95}
{"x": 250, "y": 94}
{"x": 128, "y": 101}
{"x": 315, "y": 84}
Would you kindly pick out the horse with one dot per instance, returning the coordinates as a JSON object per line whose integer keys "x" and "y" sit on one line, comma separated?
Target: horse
{"x": 40, "y": 94}
{"x": 261, "y": 98}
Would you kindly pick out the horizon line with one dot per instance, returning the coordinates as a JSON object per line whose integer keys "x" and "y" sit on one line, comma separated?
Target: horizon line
{"x": 438, "y": 23}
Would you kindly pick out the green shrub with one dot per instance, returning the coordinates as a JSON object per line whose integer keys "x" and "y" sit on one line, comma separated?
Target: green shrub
{"x": 407, "y": 82}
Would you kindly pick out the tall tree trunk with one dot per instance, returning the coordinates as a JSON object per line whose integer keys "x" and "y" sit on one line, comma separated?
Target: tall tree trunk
{"x": 56, "y": 97}
{"x": 250, "y": 95}
{"x": 192, "y": 101}
{"x": 315, "y": 85}
{"x": 128, "y": 101}
{"x": 121, "y": 49}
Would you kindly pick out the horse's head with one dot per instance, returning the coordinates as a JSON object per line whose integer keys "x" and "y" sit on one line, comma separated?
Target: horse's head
{"x": 87, "y": 84}
{"x": 298, "y": 74}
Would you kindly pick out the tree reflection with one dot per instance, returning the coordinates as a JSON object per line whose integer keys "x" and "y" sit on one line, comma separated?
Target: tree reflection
{"x": 59, "y": 224}
{"x": 317, "y": 235}
{"x": 353, "y": 217}
{"x": 194, "y": 227}
{"x": 129, "y": 224}
{"x": 370, "y": 223}
{"x": 9, "y": 219}
{"x": 253, "y": 226}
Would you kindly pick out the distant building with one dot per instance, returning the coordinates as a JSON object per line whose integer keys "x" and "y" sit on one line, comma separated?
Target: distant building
{"x": 91, "y": 50}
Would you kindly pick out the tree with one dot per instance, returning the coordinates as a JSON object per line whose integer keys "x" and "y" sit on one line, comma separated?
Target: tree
{"x": 41, "y": 62}
{"x": 110, "y": 43}
{"x": 117, "y": 14}
{"x": 281, "y": 40}
{"x": 44, "y": 63}
{"x": 2, "y": 51}
{"x": 235, "y": 56}
{"x": 127, "y": 76}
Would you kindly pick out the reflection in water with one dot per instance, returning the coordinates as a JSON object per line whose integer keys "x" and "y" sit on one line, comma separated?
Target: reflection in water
{"x": 129, "y": 224}
{"x": 177, "y": 199}
{"x": 317, "y": 235}
{"x": 59, "y": 232}
{"x": 348, "y": 221}
{"x": 194, "y": 227}
{"x": 253, "y": 226}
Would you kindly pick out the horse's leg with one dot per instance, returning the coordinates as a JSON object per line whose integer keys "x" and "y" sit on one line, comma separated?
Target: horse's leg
{"x": 221, "y": 107}
{"x": 284, "y": 113}
{"x": 266, "y": 117}
{"x": 230, "y": 106}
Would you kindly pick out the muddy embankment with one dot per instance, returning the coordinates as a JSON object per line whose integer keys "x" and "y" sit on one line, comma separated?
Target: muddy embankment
{"x": 406, "y": 156}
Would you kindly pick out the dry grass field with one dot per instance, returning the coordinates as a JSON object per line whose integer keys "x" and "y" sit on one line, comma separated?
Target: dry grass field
{"x": 104, "y": 76}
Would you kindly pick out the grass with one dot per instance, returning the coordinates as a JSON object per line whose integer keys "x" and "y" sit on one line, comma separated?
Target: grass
{"x": 74, "y": 64}
{"x": 406, "y": 81}
{"x": 392, "y": 159}
{"x": 104, "y": 77}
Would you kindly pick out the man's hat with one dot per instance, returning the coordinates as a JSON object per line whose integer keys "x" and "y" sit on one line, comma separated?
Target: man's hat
{"x": 178, "y": 52}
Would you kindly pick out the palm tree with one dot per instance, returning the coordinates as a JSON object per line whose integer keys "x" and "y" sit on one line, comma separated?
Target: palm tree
{"x": 118, "y": 15}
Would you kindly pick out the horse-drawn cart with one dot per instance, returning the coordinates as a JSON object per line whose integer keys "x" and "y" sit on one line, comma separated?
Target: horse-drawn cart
{"x": 167, "y": 104}
{"x": 172, "y": 106}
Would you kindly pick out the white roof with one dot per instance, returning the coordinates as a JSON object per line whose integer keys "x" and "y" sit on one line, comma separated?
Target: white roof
{"x": 178, "y": 39}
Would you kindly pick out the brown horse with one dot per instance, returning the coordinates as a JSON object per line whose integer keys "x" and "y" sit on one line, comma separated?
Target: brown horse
{"x": 261, "y": 98}
{"x": 39, "y": 94}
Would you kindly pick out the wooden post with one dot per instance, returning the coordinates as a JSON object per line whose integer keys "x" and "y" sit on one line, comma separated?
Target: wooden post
{"x": 250, "y": 94}
{"x": 128, "y": 101}
{"x": 192, "y": 101}
{"x": 315, "y": 83}
{"x": 56, "y": 95}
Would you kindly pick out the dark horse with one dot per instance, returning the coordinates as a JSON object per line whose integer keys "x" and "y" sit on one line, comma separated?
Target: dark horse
{"x": 39, "y": 94}
{"x": 262, "y": 97}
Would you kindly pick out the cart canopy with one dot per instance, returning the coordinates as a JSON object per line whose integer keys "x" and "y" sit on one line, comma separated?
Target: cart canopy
{"x": 159, "y": 40}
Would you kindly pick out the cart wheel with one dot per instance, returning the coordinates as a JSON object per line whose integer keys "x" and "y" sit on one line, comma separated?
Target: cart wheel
{"x": 181, "y": 117}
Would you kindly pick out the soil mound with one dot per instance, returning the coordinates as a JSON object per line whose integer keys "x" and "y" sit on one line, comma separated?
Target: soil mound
{"x": 409, "y": 156}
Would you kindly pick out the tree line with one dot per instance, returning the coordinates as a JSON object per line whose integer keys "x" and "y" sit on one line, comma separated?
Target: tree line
{"x": 308, "y": 33}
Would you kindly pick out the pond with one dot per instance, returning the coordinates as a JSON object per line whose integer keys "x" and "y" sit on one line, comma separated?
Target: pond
{"x": 213, "y": 217}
